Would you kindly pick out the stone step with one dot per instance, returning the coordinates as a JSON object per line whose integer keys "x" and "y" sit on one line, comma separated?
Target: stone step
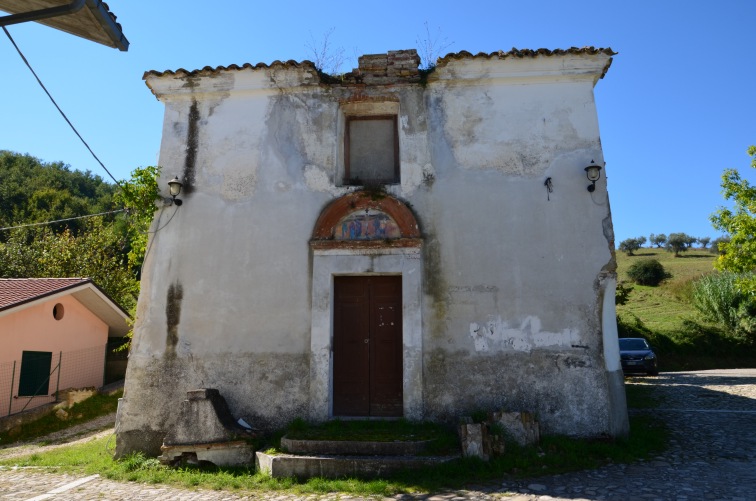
{"x": 329, "y": 466}
{"x": 355, "y": 448}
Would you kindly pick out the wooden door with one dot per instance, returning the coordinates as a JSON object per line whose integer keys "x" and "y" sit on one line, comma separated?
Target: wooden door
{"x": 367, "y": 346}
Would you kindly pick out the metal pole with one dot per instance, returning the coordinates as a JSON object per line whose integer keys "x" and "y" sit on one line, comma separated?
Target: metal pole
{"x": 105, "y": 365}
{"x": 13, "y": 381}
{"x": 60, "y": 366}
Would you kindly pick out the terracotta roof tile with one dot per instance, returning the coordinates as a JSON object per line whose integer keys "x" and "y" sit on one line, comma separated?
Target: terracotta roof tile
{"x": 14, "y": 291}
{"x": 209, "y": 70}
{"x": 522, "y": 53}
{"x": 513, "y": 53}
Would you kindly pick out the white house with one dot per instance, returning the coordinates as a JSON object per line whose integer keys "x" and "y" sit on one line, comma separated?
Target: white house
{"x": 395, "y": 242}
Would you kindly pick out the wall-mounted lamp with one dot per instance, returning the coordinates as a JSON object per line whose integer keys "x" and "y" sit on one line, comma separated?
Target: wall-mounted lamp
{"x": 593, "y": 172}
{"x": 175, "y": 189}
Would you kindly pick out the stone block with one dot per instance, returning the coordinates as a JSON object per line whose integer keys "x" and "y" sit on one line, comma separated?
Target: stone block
{"x": 521, "y": 427}
{"x": 204, "y": 417}
{"x": 471, "y": 437}
{"x": 206, "y": 431}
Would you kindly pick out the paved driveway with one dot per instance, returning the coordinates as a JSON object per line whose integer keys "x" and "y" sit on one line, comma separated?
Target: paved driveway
{"x": 712, "y": 456}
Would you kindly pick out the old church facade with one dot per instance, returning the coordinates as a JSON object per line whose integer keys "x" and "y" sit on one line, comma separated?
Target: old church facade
{"x": 389, "y": 243}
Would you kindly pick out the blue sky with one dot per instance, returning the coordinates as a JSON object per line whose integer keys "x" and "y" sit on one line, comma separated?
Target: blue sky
{"x": 675, "y": 109}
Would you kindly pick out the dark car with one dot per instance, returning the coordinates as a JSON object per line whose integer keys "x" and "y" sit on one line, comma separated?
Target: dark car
{"x": 637, "y": 356}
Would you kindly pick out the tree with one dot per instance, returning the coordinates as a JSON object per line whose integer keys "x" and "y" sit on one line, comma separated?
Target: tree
{"x": 658, "y": 240}
{"x": 631, "y": 245}
{"x": 96, "y": 253}
{"x": 679, "y": 242}
{"x": 716, "y": 245}
{"x": 739, "y": 254}
{"x": 138, "y": 196}
{"x": 32, "y": 191}
{"x": 704, "y": 241}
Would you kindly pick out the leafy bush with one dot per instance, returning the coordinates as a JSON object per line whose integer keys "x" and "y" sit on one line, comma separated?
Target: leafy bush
{"x": 622, "y": 293}
{"x": 647, "y": 272}
{"x": 722, "y": 298}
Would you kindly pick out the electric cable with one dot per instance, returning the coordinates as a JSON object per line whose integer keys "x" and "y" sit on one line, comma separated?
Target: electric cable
{"x": 63, "y": 220}
{"x": 56, "y": 105}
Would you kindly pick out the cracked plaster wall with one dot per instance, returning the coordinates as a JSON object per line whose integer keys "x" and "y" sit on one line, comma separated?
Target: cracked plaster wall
{"x": 511, "y": 308}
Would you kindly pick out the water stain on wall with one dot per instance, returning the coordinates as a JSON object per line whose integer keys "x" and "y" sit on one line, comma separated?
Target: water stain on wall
{"x": 173, "y": 316}
{"x": 192, "y": 145}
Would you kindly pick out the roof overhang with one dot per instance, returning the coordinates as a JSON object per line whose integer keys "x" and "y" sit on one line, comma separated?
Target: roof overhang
{"x": 93, "y": 298}
{"x": 88, "y": 19}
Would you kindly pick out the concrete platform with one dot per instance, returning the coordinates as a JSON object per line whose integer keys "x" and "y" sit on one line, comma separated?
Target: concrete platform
{"x": 329, "y": 466}
{"x": 354, "y": 448}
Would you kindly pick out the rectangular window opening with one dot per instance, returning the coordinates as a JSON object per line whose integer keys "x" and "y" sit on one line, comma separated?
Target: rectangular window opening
{"x": 371, "y": 150}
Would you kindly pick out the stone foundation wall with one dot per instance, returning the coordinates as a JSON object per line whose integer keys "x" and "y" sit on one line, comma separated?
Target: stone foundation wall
{"x": 566, "y": 392}
{"x": 266, "y": 390}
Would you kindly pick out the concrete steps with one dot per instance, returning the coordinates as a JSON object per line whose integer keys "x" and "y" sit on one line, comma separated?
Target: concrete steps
{"x": 339, "y": 459}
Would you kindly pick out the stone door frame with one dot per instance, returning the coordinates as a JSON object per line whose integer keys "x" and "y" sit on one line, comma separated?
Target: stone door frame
{"x": 331, "y": 258}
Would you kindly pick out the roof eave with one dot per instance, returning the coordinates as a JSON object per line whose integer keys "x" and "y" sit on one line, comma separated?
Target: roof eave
{"x": 91, "y": 296}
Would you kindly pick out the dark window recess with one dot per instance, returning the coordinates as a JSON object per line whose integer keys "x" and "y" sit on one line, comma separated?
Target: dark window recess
{"x": 35, "y": 373}
{"x": 371, "y": 150}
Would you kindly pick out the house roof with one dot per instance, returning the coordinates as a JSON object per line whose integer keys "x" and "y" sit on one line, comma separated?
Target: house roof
{"x": 442, "y": 61}
{"x": 20, "y": 293}
{"x": 92, "y": 20}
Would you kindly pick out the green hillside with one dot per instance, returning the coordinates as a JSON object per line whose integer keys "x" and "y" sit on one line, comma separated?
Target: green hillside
{"x": 665, "y": 316}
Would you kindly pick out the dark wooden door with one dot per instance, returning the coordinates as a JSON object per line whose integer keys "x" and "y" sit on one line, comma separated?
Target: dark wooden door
{"x": 367, "y": 346}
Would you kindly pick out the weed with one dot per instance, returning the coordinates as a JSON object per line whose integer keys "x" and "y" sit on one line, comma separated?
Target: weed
{"x": 479, "y": 416}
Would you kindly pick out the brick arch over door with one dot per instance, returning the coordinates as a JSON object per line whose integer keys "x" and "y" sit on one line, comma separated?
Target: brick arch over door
{"x": 361, "y": 200}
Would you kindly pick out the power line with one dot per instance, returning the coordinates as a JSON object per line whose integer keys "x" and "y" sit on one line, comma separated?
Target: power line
{"x": 63, "y": 220}
{"x": 58, "y": 107}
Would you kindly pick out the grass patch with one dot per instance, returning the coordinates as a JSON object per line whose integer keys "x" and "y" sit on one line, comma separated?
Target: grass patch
{"x": 555, "y": 455}
{"x": 443, "y": 439}
{"x": 664, "y": 315}
{"x": 91, "y": 408}
{"x": 640, "y": 396}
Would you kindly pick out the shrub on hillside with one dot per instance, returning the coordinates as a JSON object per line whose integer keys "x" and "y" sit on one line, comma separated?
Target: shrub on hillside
{"x": 647, "y": 272}
{"x": 721, "y": 298}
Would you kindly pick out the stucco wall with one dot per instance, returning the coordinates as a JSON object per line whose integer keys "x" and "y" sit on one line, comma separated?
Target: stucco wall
{"x": 512, "y": 279}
